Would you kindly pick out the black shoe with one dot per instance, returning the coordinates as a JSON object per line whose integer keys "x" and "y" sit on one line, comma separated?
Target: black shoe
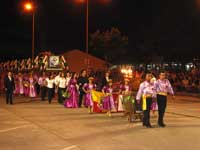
{"x": 162, "y": 125}
{"x": 149, "y": 126}
{"x": 144, "y": 124}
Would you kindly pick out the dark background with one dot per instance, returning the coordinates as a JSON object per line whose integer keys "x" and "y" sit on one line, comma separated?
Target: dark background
{"x": 169, "y": 28}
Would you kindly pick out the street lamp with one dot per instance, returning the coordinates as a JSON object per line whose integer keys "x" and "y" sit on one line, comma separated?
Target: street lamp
{"x": 29, "y": 7}
{"x": 87, "y": 25}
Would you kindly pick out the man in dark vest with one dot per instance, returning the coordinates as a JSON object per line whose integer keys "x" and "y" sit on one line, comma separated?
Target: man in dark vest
{"x": 9, "y": 85}
{"x": 81, "y": 81}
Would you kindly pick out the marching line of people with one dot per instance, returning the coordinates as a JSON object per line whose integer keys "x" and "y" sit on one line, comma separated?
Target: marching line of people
{"x": 75, "y": 91}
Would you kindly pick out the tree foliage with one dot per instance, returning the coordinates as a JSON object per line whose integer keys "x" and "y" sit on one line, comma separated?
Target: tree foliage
{"x": 109, "y": 45}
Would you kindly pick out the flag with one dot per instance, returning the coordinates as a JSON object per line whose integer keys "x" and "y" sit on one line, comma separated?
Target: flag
{"x": 97, "y": 96}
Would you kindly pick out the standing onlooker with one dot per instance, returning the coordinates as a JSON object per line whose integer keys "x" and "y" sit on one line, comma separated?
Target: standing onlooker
{"x": 81, "y": 81}
{"x": 9, "y": 85}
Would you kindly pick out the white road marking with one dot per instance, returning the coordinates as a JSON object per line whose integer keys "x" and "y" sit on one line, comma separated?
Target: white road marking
{"x": 10, "y": 129}
{"x": 70, "y": 147}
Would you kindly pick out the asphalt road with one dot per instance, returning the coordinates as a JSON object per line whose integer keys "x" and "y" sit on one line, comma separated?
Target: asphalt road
{"x": 35, "y": 125}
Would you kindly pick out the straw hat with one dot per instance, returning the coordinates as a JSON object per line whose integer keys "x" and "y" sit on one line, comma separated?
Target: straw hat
{"x": 110, "y": 81}
{"x": 91, "y": 78}
{"x": 126, "y": 80}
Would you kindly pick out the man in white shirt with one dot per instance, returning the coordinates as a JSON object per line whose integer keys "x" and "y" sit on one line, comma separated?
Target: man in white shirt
{"x": 57, "y": 78}
{"x": 62, "y": 83}
{"x": 43, "y": 88}
{"x": 50, "y": 87}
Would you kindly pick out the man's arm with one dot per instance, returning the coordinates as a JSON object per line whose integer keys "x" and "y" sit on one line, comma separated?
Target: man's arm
{"x": 139, "y": 93}
{"x": 5, "y": 83}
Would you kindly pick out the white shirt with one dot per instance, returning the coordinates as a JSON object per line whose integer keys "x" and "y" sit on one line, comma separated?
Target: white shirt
{"x": 62, "y": 83}
{"x": 50, "y": 83}
{"x": 41, "y": 81}
{"x": 67, "y": 80}
{"x": 10, "y": 78}
{"x": 57, "y": 78}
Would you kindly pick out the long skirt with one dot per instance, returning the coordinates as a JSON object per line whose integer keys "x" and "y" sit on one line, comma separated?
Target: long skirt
{"x": 108, "y": 103}
{"x": 72, "y": 101}
{"x": 120, "y": 105}
{"x": 88, "y": 100}
{"x": 32, "y": 91}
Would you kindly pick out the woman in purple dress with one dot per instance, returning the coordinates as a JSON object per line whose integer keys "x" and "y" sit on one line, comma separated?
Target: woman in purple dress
{"x": 72, "y": 101}
{"x": 108, "y": 101}
{"x": 87, "y": 88}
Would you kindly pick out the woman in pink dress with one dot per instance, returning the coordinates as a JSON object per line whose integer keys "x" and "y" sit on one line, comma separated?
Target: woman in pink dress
{"x": 32, "y": 90}
{"x": 26, "y": 84}
{"x": 19, "y": 85}
{"x": 72, "y": 101}
{"x": 87, "y": 88}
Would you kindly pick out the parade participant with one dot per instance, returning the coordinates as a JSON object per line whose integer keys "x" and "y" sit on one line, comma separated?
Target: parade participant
{"x": 32, "y": 90}
{"x": 72, "y": 101}
{"x": 19, "y": 85}
{"x": 61, "y": 87}
{"x": 68, "y": 77}
{"x": 105, "y": 79}
{"x": 43, "y": 88}
{"x": 108, "y": 101}
{"x": 163, "y": 87}
{"x": 147, "y": 93}
{"x": 50, "y": 87}
{"x": 26, "y": 84}
{"x": 87, "y": 88}
{"x": 81, "y": 81}
{"x": 154, "y": 105}
{"x": 57, "y": 77}
{"x": 36, "y": 78}
{"x": 124, "y": 90}
{"x": 9, "y": 85}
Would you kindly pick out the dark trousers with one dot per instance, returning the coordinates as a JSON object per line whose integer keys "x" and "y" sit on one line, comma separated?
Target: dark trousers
{"x": 9, "y": 97}
{"x": 60, "y": 97}
{"x": 43, "y": 92}
{"x": 80, "y": 98}
{"x": 37, "y": 88}
{"x": 162, "y": 103}
{"x": 50, "y": 94}
{"x": 146, "y": 119}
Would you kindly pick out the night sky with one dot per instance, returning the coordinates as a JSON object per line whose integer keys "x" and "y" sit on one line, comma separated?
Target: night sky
{"x": 169, "y": 28}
